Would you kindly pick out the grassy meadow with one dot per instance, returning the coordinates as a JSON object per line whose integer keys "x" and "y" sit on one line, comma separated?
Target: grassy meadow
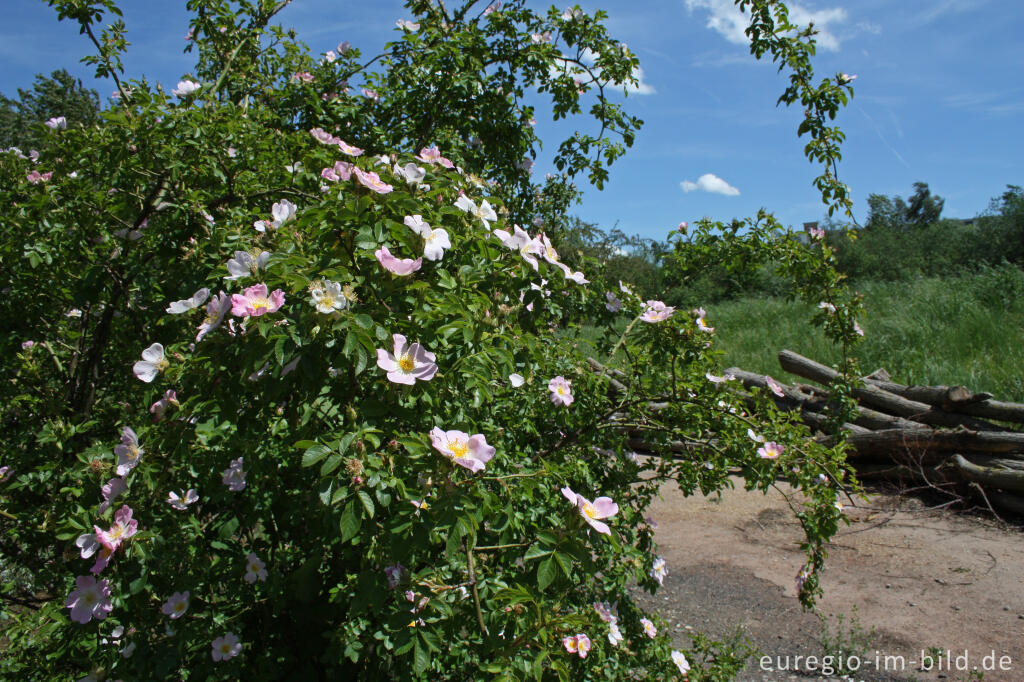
{"x": 965, "y": 330}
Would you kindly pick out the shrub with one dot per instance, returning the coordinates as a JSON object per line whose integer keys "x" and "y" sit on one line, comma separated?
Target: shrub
{"x": 290, "y": 396}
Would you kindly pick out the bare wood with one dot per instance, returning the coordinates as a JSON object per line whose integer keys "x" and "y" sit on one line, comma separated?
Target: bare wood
{"x": 616, "y": 385}
{"x": 937, "y": 441}
{"x": 817, "y": 421}
{"x": 995, "y": 409}
{"x": 815, "y": 399}
{"x": 870, "y": 394}
{"x": 1006, "y": 501}
{"x": 949, "y": 398}
{"x": 903, "y": 472}
{"x": 988, "y": 476}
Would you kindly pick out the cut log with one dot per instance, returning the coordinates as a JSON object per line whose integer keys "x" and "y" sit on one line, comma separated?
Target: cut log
{"x": 937, "y": 441}
{"x": 903, "y": 472}
{"x": 883, "y": 400}
{"x": 995, "y": 409}
{"x": 949, "y": 398}
{"x": 817, "y": 421}
{"x": 814, "y": 399}
{"x": 1006, "y": 502}
{"x": 616, "y": 385}
{"x": 992, "y": 477}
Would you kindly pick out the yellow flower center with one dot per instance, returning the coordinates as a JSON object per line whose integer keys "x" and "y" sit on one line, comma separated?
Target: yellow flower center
{"x": 589, "y": 510}
{"x": 551, "y": 253}
{"x": 89, "y": 598}
{"x": 259, "y": 304}
{"x": 560, "y": 390}
{"x": 406, "y": 363}
{"x": 133, "y": 452}
{"x": 180, "y": 606}
{"x": 458, "y": 448}
{"x": 225, "y": 648}
{"x": 163, "y": 364}
{"x": 116, "y": 532}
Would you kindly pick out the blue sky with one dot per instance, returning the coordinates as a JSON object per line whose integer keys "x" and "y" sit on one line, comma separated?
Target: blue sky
{"x": 938, "y": 98}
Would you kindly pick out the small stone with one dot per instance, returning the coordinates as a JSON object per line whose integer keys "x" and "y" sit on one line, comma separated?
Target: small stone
{"x": 910, "y": 603}
{"x": 888, "y": 586}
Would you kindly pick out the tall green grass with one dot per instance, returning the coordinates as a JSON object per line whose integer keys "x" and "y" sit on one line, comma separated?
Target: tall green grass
{"x": 965, "y": 330}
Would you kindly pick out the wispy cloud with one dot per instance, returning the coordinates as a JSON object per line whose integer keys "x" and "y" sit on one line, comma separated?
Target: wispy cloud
{"x": 878, "y": 131}
{"x": 987, "y": 102}
{"x": 730, "y": 22}
{"x": 709, "y": 182}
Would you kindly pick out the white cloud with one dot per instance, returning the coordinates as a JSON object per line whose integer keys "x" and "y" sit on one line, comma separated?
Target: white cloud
{"x": 709, "y": 182}
{"x": 729, "y": 21}
{"x": 641, "y": 87}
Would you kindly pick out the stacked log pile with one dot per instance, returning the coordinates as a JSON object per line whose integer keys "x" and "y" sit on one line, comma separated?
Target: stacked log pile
{"x": 943, "y": 436}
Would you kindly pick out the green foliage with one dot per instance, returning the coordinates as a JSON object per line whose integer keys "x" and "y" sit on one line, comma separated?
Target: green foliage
{"x": 59, "y": 94}
{"x": 615, "y": 255}
{"x": 386, "y": 556}
{"x": 949, "y": 330}
{"x": 893, "y": 213}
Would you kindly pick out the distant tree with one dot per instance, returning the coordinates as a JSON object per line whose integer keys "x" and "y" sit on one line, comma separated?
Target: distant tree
{"x": 59, "y": 94}
{"x": 1002, "y": 227}
{"x": 618, "y": 256}
{"x": 921, "y": 208}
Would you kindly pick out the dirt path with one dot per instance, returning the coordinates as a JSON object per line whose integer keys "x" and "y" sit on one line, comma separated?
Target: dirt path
{"x": 920, "y": 579}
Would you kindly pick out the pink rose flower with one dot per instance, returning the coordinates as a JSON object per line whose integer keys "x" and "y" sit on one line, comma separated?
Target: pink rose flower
{"x": 649, "y": 628}
{"x": 255, "y": 569}
{"x": 323, "y": 137}
{"x": 561, "y": 391}
{"x": 124, "y": 527}
{"x": 349, "y": 149}
{"x": 226, "y": 647}
{"x": 577, "y": 644}
{"x": 770, "y": 450}
{"x": 111, "y": 491}
{"x": 592, "y": 512}
{"x": 394, "y": 574}
{"x": 234, "y": 476}
{"x": 169, "y": 400}
{"x": 128, "y": 451}
{"x": 90, "y": 599}
{"x": 372, "y": 181}
{"x": 176, "y": 605}
{"x": 397, "y": 266}
{"x": 471, "y": 452}
{"x": 408, "y": 363}
{"x": 254, "y": 301}
{"x": 656, "y": 311}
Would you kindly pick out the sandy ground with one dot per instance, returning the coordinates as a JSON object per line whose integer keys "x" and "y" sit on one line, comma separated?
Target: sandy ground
{"x": 920, "y": 579}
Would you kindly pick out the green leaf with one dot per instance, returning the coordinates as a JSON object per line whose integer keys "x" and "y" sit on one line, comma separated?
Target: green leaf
{"x": 545, "y": 573}
{"x": 565, "y": 562}
{"x": 332, "y": 463}
{"x": 314, "y": 454}
{"x": 536, "y": 552}
{"x": 350, "y": 522}
{"x": 420, "y": 658}
{"x": 364, "y": 497}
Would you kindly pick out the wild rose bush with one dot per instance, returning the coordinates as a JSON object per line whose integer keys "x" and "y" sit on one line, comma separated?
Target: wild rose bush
{"x": 290, "y": 398}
